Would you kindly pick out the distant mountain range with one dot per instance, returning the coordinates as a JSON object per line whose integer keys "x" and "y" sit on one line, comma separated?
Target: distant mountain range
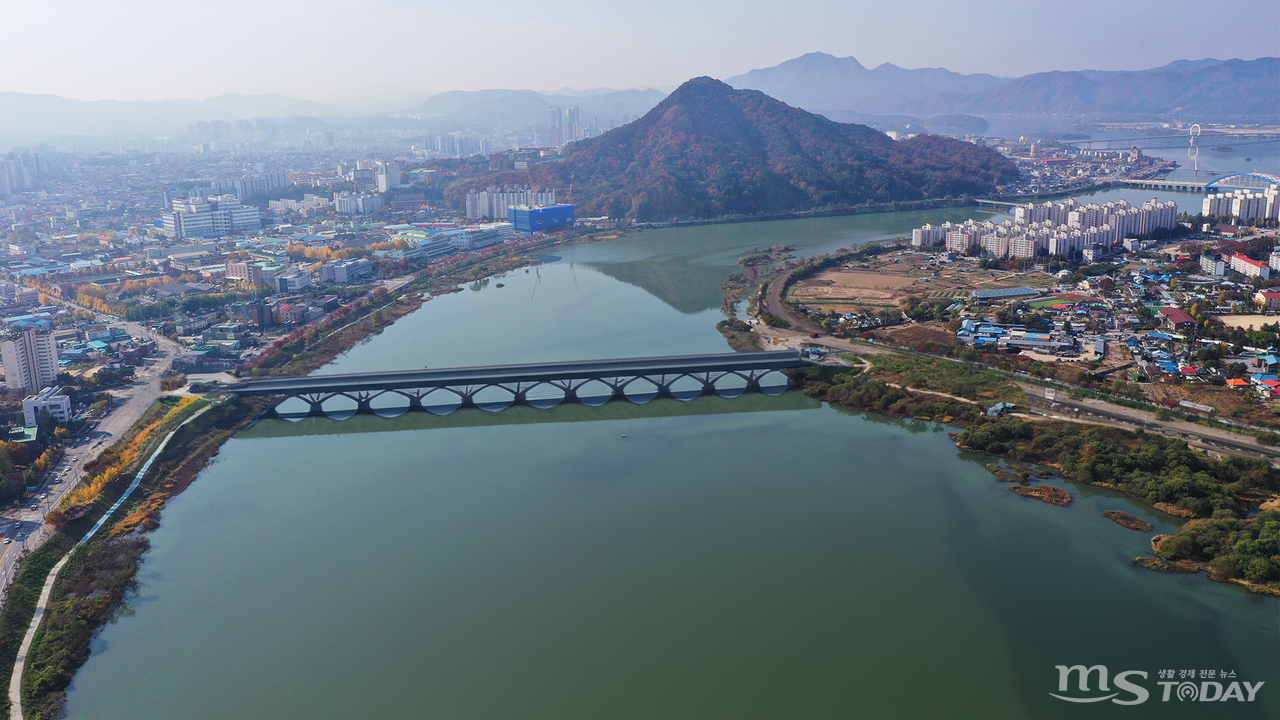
{"x": 841, "y": 89}
{"x": 50, "y": 115}
{"x": 708, "y": 150}
{"x": 486, "y": 111}
{"x": 1206, "y": 90}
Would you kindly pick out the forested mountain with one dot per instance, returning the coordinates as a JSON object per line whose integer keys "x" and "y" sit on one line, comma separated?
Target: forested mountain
{"x": 708, "y": 150}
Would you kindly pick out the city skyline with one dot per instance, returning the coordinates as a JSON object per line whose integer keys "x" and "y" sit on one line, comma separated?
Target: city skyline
{"x": 142, "y": 50}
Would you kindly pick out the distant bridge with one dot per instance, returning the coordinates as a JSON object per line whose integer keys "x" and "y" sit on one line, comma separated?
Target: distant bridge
{"x": 540, "y": 385}
{"x": 1235, "y": 181}
{"x": 1166, "y": 185}
{"x": 1151, "y": 142}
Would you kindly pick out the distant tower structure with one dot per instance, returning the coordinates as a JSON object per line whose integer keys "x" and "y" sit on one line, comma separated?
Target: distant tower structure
{"x": 575, "y": 125}
{"x": 1193, "y": 152}
{"x": 555, "y": 136}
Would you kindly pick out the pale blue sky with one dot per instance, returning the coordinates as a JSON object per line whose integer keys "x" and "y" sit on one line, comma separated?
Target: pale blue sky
{"x": 152, "y": 49}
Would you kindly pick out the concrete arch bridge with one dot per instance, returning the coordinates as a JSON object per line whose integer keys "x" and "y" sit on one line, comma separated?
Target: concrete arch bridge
{"x": 540, "y": 385}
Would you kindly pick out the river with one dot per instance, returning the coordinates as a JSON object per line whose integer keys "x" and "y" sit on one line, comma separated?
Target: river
{"x": 749, "y": 558}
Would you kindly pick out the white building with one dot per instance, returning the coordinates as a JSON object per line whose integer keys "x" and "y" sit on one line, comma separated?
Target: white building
{"x": 292, "y": 281}
{"x": 50, "y": 399}
{"x": 346, "y": 271}
{"x": 349, "y": 204}
{"x": 30, "y": 357}
{"x": 1249, "y": 267}
{"x": 216, "y": 216}
{"x": 388, "y": 176}
{"x": 308, "y": 203}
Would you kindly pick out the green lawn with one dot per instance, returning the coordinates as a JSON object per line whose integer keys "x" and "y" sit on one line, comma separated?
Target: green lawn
{"x": 1046, "y": 303}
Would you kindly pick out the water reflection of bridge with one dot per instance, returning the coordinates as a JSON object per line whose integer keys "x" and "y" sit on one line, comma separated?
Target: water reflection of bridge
{"x": 539, "y": 385}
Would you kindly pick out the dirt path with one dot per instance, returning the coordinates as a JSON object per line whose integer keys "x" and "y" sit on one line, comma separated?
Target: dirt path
{"x": 773, "y": 301}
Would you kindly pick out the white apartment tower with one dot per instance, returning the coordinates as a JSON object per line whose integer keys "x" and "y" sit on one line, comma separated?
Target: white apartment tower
{"x": 30, "y": 358}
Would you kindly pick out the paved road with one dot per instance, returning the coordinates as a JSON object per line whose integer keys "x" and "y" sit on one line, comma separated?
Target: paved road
{"x": 1199, "y": 436}
{"x": 130, "y": 403}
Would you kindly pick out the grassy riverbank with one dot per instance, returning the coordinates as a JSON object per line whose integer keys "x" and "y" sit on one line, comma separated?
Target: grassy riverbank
{"x": 20, "y": 604}
{"x": 94, "y": 584}
{"x": 850, "y": 387}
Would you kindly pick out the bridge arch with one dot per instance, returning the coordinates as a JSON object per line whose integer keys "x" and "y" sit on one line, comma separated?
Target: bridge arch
{"x": 541, "y": 385}
{"x": 1244, "y": 181}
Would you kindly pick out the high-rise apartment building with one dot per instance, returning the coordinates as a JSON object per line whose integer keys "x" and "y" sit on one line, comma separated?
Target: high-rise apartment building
{"x": 555, "y": 128}
{"x": 574, "y": 130}
{"x": 30, "y": 357}
{"x": 493, "y": 202}
{"x": 388, "y": 176}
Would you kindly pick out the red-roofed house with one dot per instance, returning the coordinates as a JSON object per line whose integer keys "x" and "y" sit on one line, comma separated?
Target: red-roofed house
{"x": 1177, "y": 319}
{"x": 1267, "y": 300}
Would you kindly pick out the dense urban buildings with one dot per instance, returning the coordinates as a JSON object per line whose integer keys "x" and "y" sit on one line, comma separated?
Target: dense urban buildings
{"x": 493, "y": 202}
{"x": 1243, "y": 205}
{"x": 1069, "y": 228}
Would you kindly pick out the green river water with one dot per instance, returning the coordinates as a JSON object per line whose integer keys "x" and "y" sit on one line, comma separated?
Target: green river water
{"x": 749, "y": 558}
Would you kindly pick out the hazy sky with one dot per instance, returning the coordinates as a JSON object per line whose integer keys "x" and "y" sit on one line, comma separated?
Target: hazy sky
{"x": 153, "y": 49}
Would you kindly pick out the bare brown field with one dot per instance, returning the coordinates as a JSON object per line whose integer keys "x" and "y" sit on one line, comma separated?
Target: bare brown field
{"x": 1245, "y": 321}
{"x": 887, "y": 282}
{"x": 916, "y": 335}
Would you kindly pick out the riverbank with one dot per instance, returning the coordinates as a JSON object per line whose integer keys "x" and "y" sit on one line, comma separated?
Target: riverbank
{"x": 310, "y": 348}
{"x": 20, "y": 604}
{"x": 94, "y": 585}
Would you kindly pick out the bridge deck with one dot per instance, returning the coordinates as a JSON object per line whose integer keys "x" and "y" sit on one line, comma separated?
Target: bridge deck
{"x": 525, "y": 373}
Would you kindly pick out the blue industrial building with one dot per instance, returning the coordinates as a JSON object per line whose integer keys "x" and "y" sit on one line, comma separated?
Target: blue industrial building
{"x": 534, "y": 219}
